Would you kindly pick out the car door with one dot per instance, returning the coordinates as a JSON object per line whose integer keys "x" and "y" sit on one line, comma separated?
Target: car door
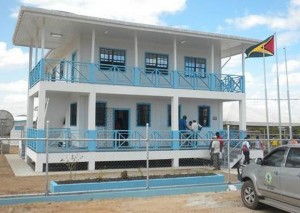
{"x": 268, "y": 179}
{"x": 290, "y": 177}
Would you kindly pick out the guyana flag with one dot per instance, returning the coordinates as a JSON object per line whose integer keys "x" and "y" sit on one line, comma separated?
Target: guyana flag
{"x": 263, "y": 49}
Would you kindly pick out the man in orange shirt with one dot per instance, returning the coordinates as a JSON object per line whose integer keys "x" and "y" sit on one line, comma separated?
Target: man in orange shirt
{"x": 294, "y": 140}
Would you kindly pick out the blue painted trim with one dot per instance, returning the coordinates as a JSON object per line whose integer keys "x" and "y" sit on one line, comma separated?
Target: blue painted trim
{"x": 92, "y": 73}
{"x": 160, "y": 182}
{"x": 176, "y": 142}
{"x": 243, "y": 84}
{"x": 92, "y": 134}
{"x": 74, "y": 56}
{"x": 212, "y": 81}
{"x": 40, "y": 144}
{"x": 175, "y": 79}
{"x": 137, "y": 76}
{"x": 41, "y": 71}
{"x": 116, "y": 194}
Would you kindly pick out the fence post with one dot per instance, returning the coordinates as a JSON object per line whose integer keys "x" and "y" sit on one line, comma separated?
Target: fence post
{"x": 228, "y": 153}
{"x": 47, "y": 157}
{"x": 147, "y": 151}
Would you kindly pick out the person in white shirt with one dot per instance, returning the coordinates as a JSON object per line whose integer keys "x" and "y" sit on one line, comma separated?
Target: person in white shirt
{"x": 195, "y": 127}
{"x": 246, "y": 150}
{"x": 215, "y": 153}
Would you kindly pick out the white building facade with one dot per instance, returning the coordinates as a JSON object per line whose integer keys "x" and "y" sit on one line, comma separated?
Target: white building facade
{"x": 95, "y": 78}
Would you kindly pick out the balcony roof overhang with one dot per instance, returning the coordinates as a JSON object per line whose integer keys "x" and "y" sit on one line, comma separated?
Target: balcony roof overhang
{"x": 61, "y": 27}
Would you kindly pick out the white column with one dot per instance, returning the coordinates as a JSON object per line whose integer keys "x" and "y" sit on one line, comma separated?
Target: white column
{"x": 175, "y": 53}
{"x": 243, "y": 62}
{"x": 220, "y": 115}
{"x": 242, "y": 114}
{"x": 43, "y": 39}
{"x": 136, "y": 54}
{"x": 36, "y": 52}
{"x": 93, "y": 47}
{"x": 30, "y": 100}
{"x": 41, "y": 111}
{"x": 91, "y": 165}
{"x": 175, "y": 162}
{"x": 213, "y": 57}
{"x": 30, "y": 108}
{"x": 174, "y": 113}
{"x": 92, "y": 111}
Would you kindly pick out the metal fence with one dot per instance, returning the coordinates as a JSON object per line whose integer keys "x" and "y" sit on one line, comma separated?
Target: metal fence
{"x": 70, "y": 160}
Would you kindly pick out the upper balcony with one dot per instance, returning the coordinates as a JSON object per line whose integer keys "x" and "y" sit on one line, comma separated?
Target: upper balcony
{"x": 93, "y": 73}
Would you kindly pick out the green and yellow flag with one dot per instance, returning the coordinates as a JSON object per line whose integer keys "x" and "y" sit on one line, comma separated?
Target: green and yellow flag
{"x": 263, "y": 49}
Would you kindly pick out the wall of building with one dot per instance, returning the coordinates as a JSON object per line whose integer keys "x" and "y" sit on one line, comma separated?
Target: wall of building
{"x": 58, "y": 108}
{"x": 58, "y": 111}
{"x": 143, "y": 47}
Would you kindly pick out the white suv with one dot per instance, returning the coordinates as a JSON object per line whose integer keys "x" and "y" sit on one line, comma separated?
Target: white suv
{"x": 273, "y": 180}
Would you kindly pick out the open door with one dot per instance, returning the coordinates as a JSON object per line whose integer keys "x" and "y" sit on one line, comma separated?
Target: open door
{"x": 121, "y": 125}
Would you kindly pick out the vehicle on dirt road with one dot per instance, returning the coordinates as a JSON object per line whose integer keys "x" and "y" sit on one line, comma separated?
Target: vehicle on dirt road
{"x": 273, "y": 180}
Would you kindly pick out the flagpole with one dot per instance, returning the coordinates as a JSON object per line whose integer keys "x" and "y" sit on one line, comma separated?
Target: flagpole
{"x": 288, "y": 96}
{"x": 266, "y": 101}
{"x": 278, "y": 92}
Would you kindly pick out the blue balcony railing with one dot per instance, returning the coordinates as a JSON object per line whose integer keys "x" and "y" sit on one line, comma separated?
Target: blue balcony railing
{"x": 67, "y": 140}
{"x": 82, "y": 72}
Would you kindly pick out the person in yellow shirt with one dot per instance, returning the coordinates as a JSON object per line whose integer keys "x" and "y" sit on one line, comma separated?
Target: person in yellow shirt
{"x": 275, "y": 142}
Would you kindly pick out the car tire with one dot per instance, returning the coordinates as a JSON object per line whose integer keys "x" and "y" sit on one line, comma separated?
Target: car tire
{"x": 249, "y": 196}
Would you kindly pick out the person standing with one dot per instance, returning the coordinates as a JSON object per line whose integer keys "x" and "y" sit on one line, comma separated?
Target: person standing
{"x": 182, "y": 123}
{"x": 294, "y": 140}
{"x": 221, "y": 141}
{"x": 215, "y": 153}
{"x": 246, "y": 150}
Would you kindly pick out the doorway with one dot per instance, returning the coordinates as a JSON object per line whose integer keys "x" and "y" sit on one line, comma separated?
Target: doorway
{"x": 121, "y": 125}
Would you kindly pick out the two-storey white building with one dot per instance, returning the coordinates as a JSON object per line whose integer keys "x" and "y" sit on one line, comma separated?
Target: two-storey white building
{"x": 95, "y": 78}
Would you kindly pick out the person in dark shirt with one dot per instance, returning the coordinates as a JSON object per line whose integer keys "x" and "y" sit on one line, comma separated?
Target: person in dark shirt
{"x": 182, "y": 123}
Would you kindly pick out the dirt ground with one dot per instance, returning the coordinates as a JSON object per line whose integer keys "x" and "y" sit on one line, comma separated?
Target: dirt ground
{"x": 225, "y": 202}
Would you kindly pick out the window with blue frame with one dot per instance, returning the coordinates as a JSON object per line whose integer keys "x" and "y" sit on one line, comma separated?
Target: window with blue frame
{"x": 170, "y": 114}
{"x": 204, "y": 114}
{"x": 143, "y": 114}
{"x": 61, "y": 69}
{"x": 156, "y": 63}
{"x": 195, "y": 67}
{"x": 112, "y": 58}
{"x": 73, "y": 114}
{"x": 100, "y": 114}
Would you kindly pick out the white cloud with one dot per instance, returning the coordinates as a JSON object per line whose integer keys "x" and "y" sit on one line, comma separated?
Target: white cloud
{"x": 14, "y": 103}
{"x": 232, "y": 65}
{"x": 20, "y": 86}
{"x": 293, "y": 67}
{"x": 13, "y": 96}
{"x": 288, "y": 21}
{"x": 145, "y": 11}
{"x": 12, "y": 59}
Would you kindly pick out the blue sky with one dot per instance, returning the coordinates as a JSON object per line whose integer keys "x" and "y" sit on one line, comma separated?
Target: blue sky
{"x": 248, "y": 18}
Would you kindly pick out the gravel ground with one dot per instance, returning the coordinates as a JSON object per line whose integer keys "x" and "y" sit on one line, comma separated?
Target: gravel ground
{"x": 223, "y": 202}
